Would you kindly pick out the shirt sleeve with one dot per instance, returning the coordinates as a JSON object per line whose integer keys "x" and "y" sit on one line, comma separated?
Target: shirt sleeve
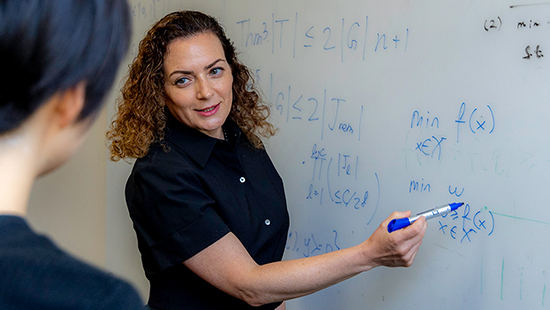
{"x": 174, "y": 216}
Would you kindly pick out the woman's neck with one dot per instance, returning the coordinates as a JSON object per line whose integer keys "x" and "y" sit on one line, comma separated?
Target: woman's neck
{"x": 17, "y": 175}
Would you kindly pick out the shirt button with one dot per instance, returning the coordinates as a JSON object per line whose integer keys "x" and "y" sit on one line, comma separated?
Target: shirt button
{"x": 242, "y": 179}
{"x": 267, "y": 222}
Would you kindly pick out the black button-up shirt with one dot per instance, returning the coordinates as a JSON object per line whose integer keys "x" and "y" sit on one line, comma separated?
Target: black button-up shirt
{"x": 187, "y": 193}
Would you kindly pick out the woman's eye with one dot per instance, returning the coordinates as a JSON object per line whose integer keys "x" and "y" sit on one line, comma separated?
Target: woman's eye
{"x": 216, "y": 71}
{"x": 182, "y": 81}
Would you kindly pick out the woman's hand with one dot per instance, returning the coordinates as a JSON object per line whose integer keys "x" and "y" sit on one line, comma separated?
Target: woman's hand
{"x": 396, "y": 249}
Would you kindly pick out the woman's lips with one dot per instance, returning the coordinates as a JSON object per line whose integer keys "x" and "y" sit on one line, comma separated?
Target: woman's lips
{"x": 209, "y": 111}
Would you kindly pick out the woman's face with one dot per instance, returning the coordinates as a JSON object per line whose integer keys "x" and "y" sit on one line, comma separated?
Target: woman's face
{"x": 198, "y": 83}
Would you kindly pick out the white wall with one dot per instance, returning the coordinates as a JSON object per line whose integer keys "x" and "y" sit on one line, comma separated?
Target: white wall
{"x": 69, "y": 204}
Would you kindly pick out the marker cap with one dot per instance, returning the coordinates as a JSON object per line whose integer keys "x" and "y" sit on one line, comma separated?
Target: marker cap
{"x": 396, "y": 224}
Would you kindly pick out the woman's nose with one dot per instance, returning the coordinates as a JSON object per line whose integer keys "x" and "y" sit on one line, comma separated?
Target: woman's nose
{"x": 204, "y": 89}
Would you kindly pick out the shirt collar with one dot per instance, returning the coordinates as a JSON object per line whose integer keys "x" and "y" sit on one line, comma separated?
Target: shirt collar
{"x": 196, "y": 144}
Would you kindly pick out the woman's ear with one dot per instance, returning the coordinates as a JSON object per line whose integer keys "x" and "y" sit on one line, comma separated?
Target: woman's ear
{"x": 70, "y": 104}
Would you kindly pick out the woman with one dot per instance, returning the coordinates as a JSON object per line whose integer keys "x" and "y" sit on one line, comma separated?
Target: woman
{"x": 207, "y": 204}
{"x": 58, "y": 59}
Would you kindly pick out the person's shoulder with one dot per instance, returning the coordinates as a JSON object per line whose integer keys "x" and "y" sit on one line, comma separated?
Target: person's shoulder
{"x": 164, "y": 160}
{"x": 96, "y": 287}
{"x": 161, "y": 154}
{"x": 120, "y": 295}
{"x": 37, "y": 274}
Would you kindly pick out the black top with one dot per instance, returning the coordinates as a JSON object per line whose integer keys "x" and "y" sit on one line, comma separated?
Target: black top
{"x": 187, "y": 193}
{"x": 36, "y": 274}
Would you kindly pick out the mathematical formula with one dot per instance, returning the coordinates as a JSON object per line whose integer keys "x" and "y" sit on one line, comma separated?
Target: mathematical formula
{"x": 531, "y": 51}
{"x": 311, "y": 245}
{"x": 329, "y": 172}
{"x": 346, "y": 39}
{"x": 320, "y": 112}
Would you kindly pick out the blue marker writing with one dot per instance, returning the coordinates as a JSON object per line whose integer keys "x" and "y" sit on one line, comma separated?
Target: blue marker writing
{"x": 396, "y": 224}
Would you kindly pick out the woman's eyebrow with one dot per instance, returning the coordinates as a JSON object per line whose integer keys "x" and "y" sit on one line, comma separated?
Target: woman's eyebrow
{"x": 180, "y": 71}
{"x": 191, "y": 72}
{"x": 213, "y": 64}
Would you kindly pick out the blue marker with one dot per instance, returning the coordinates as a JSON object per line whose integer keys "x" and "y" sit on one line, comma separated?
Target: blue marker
{"x": 402, "y": 223}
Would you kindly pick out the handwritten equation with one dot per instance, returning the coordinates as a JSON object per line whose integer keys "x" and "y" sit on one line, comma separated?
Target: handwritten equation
{"x": 147, "y": 10}
{"x": 531, "y": 51}
{"x": 320, "y": 112}
{"x": 346, "y": 39}
{"x": 428, "y": 142}
{"x": 329, "y": 175}
{"x": 311, "y": 244}
{"x": 432, "y": 144}
{"x": 465, "y": 226}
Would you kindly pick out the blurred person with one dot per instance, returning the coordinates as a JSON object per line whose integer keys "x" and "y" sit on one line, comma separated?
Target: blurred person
{"x": 58, "y": 59}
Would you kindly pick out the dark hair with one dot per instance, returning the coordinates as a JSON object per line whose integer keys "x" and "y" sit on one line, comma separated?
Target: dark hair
{"x": 50, "y": 46}
{"x": 141, "y": 119}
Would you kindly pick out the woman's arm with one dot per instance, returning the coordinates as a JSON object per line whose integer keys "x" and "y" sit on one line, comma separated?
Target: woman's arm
{"x": 227, "y": 265}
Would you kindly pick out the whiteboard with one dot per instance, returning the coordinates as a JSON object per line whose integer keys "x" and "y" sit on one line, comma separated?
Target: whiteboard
{"x": 406, "y": 105}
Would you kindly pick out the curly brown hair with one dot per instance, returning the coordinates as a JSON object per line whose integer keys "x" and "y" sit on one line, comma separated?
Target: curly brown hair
{"x": 140, "y": 119}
